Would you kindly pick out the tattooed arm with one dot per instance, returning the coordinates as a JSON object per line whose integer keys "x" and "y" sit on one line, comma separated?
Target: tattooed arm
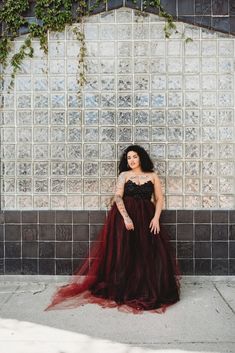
{"x": 154, "y": 224}
{"x": 119, "y": 201}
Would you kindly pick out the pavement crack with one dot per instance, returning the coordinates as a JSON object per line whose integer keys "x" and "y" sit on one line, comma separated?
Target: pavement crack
{"x": 221, "y": 295}
{"x": 41, "y": 290}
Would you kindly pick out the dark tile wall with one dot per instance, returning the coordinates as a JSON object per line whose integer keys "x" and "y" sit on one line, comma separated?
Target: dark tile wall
{"x": 217, "y": 14}
{"x": 57, "y": 242}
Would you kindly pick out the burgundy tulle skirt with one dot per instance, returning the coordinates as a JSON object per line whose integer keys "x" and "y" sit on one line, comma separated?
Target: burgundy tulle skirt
{"x": 132, "y": 270}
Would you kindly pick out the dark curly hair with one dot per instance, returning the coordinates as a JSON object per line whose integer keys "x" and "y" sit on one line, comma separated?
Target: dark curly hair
{"x": 145, "y": 160}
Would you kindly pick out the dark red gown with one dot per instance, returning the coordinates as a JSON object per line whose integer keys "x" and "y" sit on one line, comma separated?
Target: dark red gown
{"x": 131, "y": 270}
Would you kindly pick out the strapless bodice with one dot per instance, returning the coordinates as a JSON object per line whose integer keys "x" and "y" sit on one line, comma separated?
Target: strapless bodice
{"x": 142, "y": 191}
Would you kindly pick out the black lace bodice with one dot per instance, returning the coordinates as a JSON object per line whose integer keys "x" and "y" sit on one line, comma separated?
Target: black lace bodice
{"x": 143, "y": 191}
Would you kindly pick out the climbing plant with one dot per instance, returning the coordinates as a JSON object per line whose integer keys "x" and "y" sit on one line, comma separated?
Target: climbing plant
{"x": 52, "y": 15}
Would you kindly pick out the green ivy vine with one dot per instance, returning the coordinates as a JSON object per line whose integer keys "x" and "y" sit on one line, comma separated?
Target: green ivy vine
{"x": 52, "y": 15}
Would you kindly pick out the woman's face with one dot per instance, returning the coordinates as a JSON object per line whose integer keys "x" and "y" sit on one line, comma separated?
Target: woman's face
{"x": 133, "y": 160}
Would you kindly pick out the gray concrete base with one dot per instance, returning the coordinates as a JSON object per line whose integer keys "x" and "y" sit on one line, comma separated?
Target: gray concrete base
{"x": 203, "y": 320}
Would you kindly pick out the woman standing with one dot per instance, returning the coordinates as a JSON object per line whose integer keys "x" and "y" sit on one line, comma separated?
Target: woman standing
{"x": 132, "y": 267}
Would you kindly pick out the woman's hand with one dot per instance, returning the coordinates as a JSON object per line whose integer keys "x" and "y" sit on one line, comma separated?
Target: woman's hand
{"x": 128, "y": 223}
{"x": 154, "y": 226}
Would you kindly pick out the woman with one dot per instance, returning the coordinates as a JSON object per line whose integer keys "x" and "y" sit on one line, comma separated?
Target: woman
{"x": 132, "y": 267}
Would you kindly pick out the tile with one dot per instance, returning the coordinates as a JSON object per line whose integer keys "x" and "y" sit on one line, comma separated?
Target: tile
{"x": 47, "y": 250}
{"x": 219, "y": 232}
{"x": 47, "y": 217}
{"x": 171, "y": 230}
{"x": 184, "y": 216}
{"x": 97, "y": 217}
{"x": 77, "y": 264}
{"x": 81, "y": 232}
{"x": 219, "y": 250}
{"x": 80, "y": 217}
{"x": 202, "y": 232}
{"x": 12, "y": 232}
{"x": 232, "y": 249}
{"x": 47, "y": 267}
{"x": 219, "y": 267}
{"x": 220, "y": 216}
{"x": 30, "y": 249}
{"x": 46, "y": 232}
{"x": 12, "y": 249}
{"x": 63, "y": 249}
{"x": 184, "y": 232}
{"x": 63, "y": 267}
{"x": 12, "y": 216}
{"x": 1, "y": 232}
{"x": 186, "y": 266}
{"x": 29, "y": 232}
{"x": 184, "y": 249}
{"x": 80, "y": 249}
{"x": 1, "y": 250}
{"x": 12, "y": 266}
{"x": 63, "y": 216}
{"x": 232, "y": 216}
{"x": 29, "y": 267}
{"x": 232, "y": 267}
{"x": 202, "y": 267}
{"x": 202, "y": 216}
{"x": 29, "y": 216}
{"x": 63, "y": 232}
{"x": 232, "y": 232}
{"x": 168, "y": 216}
{"x": 94, "y": 231}
{"x": 203, "y": 249}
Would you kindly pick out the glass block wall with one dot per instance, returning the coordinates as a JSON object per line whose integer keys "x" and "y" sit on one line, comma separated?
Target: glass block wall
{"x": 176, "y": 98}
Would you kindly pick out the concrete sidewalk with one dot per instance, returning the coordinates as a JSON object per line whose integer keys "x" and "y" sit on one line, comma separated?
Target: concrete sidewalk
{"x": 203, "y": 321}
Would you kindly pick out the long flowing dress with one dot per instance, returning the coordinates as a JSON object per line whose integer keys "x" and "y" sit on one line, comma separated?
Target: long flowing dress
{"x": 133, "y": 270}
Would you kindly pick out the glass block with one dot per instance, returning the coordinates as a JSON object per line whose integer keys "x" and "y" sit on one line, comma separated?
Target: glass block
{"x": 40, "y": 134}
{"x": 157, "y": 31}
{"x": 74, "y": 151}
{"x": 226, "y": 185}
{"x": 192, "y": 134}
{"x": 8, "y": 152}
{"x": 24, "y": 202}
{"x": 226, "y": 168}
{"x": 174, "y": 99}
{"x": 107, "y": 66}
{"x": 174, "y": 117}
{"x": 209, "y": 185}
{"x": 208, "y": 65}
{"x": 192, "y": 65}
{"x": 91, "y": 186}
{"x": 8, "y": 134}
{"x": 107, "y": 134}
{"x": 23, "y": 83}
{"x": 157, "y": 48}
{"x": 105, "y": 49}
{"x": 226, "y": 201}
{"x": 209, "y": 168}
{"x": 108, "y": 100}
{"x": 156, "y": 66}
{"x": 58, "y": 202}
{"x": 107, "y": 151}
{"x": 192, "y": 168}
{"x": 57, "y": 117}
{"x": 39, "y": 66}
{"x": 57, "y": 151}
{"x": 208, "y": 47}
{"x": 225, "y": 82}
{"x": 225, "y": 65}
{"x": 74, "y": 168}
{"x": 23, "y": 101}
{"x": 58, "y": 168}
{"x": 72, "y": 84}
{"x": 141, "y": 48}
{"x": 58, "y": 36}
{"x": 208, "y": 133}
{"x": 141, "y": 117}
{"x": 225, "y": 99}
{"x": 158, "y": 100}
{"x": 226, "y": 47}
{"x": 124, "y": 31}
{"x": 192, "y": 150}
{"x": 57, "y": 100}
{"x": 124, "y": 83}
{"x": 72, "y": 48}
{"x": 124, "y": 67}
{"x": 91, "y": 31}
{"x": 175, "y": 150}
{"x": 74, "y": 202}
{"x": 41, "y": 185}
{"x": 90, "y": 134}
{"x": 107, "y": 185}
{"x": 124, "y": 117}
{"x": 192, "y": 99}
{"x": 107, "y": 117}
{"x": 124, "y": 100}
{"x": 192, "y": 48}
{"x": 158, "y": 117}
{"x": 192, "y": 117}
{"x": 40, "y": 151}
{"x": 8, "y": 186}
{"x": 175, "y": 168}
{"x": 92, "y": 49}
{"x": 124, "y": 134}
{"x": 74, "y": 185}
{"x": 8, "y": 168}
{"x": 174, "y": 134}
{"x": 107, "y": 32}
{"x": 8, "y": 202}
{"x": 158, "y": 151}
{"x": 72, "y": 66}
{"x": 74, "y": 117}
{"x": 74, "y": 134}
{"x": 41, "y": 101}
{"x": 226, "y": 151}
{"x": 91, "y": 100}
{"x": 225, "y": 117}
{"x": 108, "y": 83}
{"x": 160, "y": 167}
{"x": 174, "y": 65}
{"x": 57, "y": 83}
{"x": 57, "y": 185}
{"x": 41, "y": 201}
{"x": 141, "y": 100}
{"x": 141, "y": 65}
{"x": 175, "y": 82}
{"x": 192, "y": 185}
{"x": 91, "y": 168}
{"x": 41, "y": 117}
{"x": 175, "y": 202}
{"x": 8, "y": 117}
{"x": 56, "y": 49}
{"x": 209, "y": 99}
{"x": 158, "y": 82}
{"x": 91, "y": 202}
{"x": 24, "y": 134}
{"x": 91, "y": 151}
{"x": 123, "y": 16}
{"x": 24, "y": 185}
{"x": 108, "y": 169}
{"x": 207, "y": 34}
{"x": 192, "y": 202}
{"x": 24, "y": 168}
{"x": 209, "y": 117}
{"x": 91, "y": 117}
{"x": 106, "y": 202}
{"x": 92, "y": 83}
{"x": 73, "y": 101}
{"x": 124, "y": 49}
{"x": 24, "y": 151}
{"x": 140, "y": 31}
{"x": 192, "y": 82}
{"x": 226, "y": 133}
{"x": 209, "y": 151}
{"x": 174, "y": 185}
{"x": 41, "y": 168}
{"x": 57, "y": 67}
{"x": 158, "y": 133}
{"x": 40, "y": 83}
{"x": 141, "y": 134}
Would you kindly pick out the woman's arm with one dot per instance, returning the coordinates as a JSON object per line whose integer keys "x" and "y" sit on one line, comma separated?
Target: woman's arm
{"x": 158, "y": 196}
{"x": 119, "y": 201}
